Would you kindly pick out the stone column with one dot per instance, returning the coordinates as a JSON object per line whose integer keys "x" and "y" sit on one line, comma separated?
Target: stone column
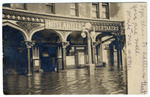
{"x": 59, "y": 57}
{"x": 29, "y": 44}
{"x": 91, "y": 66}
{"x": 118, "y": 53}
{"x": 76, "y": 57}
{"x": 94, "y": 61}
{"x": 89, "y": 49}
{"x": 101, "y": 52}
{"x": 94, "y": 50}
{"x": 118, "y": 58}
{"x": 124, "y": 62}
{"x": 64, "y": 45}
{"x": 64, "y": 57}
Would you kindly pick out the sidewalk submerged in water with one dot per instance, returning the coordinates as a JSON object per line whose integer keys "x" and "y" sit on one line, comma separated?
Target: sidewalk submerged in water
{"x": 105, "y": 80}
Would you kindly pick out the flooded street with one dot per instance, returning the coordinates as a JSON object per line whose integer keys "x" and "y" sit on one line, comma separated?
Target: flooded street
{"x": 72, "y": 81}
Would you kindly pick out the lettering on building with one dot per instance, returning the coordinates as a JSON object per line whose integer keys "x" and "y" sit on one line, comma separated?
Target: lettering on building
{"x": 77, "y": 26}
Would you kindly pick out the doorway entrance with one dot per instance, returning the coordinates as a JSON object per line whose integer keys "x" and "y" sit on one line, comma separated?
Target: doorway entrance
{"x": 14, "y": 51}
{"x": 48, "y": 58}
{"x": 48, "y": 43}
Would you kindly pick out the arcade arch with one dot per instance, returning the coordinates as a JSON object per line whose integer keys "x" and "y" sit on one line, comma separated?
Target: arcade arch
{"x": 47, "y": 51}
{"x": 14, "y": 50}
{"x": 24, "y": 33}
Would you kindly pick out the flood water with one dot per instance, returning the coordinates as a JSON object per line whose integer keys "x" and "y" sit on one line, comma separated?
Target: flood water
{"x": 106, "y": 80}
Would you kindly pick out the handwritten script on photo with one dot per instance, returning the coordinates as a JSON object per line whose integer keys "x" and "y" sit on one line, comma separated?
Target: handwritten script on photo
{"x": 136, "y": 42}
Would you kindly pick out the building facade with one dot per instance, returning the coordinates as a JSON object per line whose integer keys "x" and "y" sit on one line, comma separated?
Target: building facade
{"x": 53, "y": 36}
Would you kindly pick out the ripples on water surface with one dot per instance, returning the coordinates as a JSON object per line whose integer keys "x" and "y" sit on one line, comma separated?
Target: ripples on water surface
{"x": 72, "y": 81}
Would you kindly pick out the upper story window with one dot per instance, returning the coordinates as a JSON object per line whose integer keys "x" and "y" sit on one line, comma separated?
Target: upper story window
{"x": 105, "y": 11}
{"x": 6, "y": 5}
{"x": 15, "y": 5}
{"x": 18, "y": 5}
{"x": 73, "y": 9}
{"x": 95, "y": 10}
{"x": 21, "y": 6}
{"x": 50, "y": 8}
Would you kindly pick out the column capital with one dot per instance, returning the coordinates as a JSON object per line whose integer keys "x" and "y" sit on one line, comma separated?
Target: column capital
{"x": 65, "y": 44}
{"x": 100, "y": 41}
{"x": 29, "y": 44}
{"x": 95, "y": 44}
{"x": 106, "y": 46}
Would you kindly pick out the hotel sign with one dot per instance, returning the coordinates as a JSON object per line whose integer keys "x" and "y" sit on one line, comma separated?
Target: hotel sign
{"x": 63, "y": 25}
{"x": 77, "y": 26}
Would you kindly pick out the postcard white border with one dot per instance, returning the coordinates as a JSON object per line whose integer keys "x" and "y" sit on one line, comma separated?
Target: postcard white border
{"x": 62, "y": 1}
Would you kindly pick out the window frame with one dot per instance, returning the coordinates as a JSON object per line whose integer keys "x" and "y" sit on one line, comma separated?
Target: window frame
{"x": 75, "y": 9}
{"x": 106, "y": 5}
{"x": 13, "y": 5}
{"x": 96, "y": 11}
{"x": 51, "y": 7}
{"x": 7, "y": 5}
{"x": 23, "y": 6}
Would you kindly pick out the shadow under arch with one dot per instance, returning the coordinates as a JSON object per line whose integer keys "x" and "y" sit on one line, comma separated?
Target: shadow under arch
{"x": 14, "y": 51}
{"x": 24, "y": 33}
{"x": 45, "y": 50}
{"x": 42, "y": 29}
{"x": 104, "y": 34}
{"x": 110, "y": 49}
{"x": 75, "y": 38}
{"x": 77, "y": 50}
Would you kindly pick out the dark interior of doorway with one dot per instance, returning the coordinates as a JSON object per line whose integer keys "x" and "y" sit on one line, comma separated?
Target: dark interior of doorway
{"x": 48, "y": 56}
{"x": 14, "y": 51}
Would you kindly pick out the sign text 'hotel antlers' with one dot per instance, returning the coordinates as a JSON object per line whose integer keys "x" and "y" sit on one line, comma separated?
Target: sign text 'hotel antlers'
{"x": 77, "y": 26}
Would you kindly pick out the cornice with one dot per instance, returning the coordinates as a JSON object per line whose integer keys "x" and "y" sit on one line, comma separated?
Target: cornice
{"x": 48, "y": 16}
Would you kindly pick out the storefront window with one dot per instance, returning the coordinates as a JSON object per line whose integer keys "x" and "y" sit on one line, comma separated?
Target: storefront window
{"x": 45, "y": 52}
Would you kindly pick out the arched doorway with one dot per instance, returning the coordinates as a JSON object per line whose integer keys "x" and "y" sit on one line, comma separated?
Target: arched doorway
{"x": 14, "y": 51}
{"x": 45, "y": 50}
{"x": 106, "y": 50}
{"x": 77, "y": 50}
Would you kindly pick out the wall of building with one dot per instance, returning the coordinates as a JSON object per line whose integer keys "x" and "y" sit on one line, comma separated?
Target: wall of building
{"x": 37, "y": 7}
{"x": 115, "y": 11}
{"x": 84, "y": 9}
{"x": 62, "y": 9}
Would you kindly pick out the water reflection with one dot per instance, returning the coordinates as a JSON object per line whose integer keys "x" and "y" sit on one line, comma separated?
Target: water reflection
{"x": 37, "y": 83}
{"x": 29, "y": 89}
{"x": 73, "y": 81}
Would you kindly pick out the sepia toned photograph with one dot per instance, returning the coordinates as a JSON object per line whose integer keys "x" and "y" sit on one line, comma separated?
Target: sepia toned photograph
{"x": 69, "y": 48}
